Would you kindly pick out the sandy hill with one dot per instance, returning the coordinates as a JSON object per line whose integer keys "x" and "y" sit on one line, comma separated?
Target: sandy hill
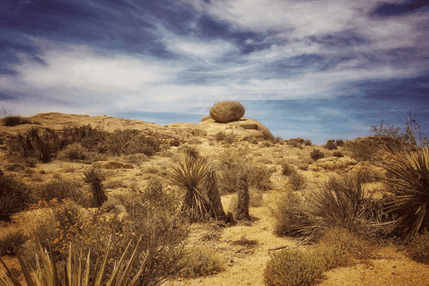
{"x": 244, "y": 265}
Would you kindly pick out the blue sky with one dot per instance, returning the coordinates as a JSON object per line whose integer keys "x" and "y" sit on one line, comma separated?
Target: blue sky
{"x": 313, "y": 69}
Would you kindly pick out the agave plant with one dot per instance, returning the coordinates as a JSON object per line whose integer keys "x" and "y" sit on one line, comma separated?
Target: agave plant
{"x": 190, "y": 174}
{"x": 77, "y": 274}
{"x": 410, "y": 192}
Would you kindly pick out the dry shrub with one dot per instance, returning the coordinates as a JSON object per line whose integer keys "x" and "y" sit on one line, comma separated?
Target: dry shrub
{"x": 287, "y": 169}
{"x": 316, "y": 154}
{"x": 62, "y": 189}
{"x": 293, "y": 267}
{"x": 220, "y": 136}
{"x": 73, "y": 152}
{"x": 341, "y": 248}
{"x": 201, "y": 261}
{"x": 11, "y": 241}
{"x": 14, "y": 196}
{"x": 307, "y": 142}
{"x": 297, "y": 181}
{"x": 418, "y": 248}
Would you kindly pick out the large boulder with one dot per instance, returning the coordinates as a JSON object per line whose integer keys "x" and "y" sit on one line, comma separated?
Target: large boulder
{"x": 227, "y": 111}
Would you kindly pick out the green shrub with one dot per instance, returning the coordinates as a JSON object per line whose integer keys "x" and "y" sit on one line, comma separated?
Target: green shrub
{"x": 202, "y": 261}
{"x": 418, "y": 248}
{"x": 307, "y": 142}
{"x": 11, "y": 241}
{"x": 14, "y": 196}
{"x": 316, "y": 154}
{"x": 292, "y": 267}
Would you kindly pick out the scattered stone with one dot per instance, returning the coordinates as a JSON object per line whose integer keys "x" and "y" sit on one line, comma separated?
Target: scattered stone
{"x": 227, "y": 111}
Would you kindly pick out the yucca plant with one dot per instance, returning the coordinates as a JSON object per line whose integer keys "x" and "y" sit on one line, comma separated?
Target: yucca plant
{"x": 410, "y": 192}
{"x": 77, "y": 274}
{"x": 95, "y": 176}
{"x": 190, "y": 174}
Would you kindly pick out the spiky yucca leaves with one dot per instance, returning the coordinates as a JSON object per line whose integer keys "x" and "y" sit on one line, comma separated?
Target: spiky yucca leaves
{"x": 410, "y": 188}
{"x": 77, "y": 272}
{"x": 95, "y": 176}
{"x": 190, "y": 174}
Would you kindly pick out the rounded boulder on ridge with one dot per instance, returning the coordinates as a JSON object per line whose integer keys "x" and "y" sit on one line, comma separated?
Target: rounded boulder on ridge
{"x": 227, "y": 111}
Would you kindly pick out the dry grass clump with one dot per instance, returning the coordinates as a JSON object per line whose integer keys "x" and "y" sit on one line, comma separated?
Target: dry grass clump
{"x": 15, "y": 196}
{"x": 418, "y": 248}
{"x": 337, "y": 248}
{"x": 287, "y": 168}
{"x": 339, "y": 202}
{"x": 293, "y": 267}
{"x": 73, "y": 152}
{"x": 62, "y": 189}
{"x": 222, "y": 136}
{"x": 11, "y": 241}
{"x": 243, "y": 241}
{"x": 202, "y": 261}
{"x": 297, "y": 181}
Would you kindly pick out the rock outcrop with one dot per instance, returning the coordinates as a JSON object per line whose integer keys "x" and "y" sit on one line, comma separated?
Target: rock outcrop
{"x": 227, "y": 111}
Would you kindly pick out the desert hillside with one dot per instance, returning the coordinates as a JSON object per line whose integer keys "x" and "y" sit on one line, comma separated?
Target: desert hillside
{"x": 133, "y": 162}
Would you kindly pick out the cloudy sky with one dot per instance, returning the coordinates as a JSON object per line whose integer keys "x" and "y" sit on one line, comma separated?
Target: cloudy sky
{"x": 313, "y": 69}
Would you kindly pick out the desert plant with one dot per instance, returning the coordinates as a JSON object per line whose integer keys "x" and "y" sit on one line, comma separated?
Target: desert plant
{"x": 11, "y": 240}
{"x": 307, "y": 142}
{"x": 287, "y": 169}
{"x": 339, "y": 202}
{"x": 342, "y": 248}
{"x": 338, "y": 154}
{"x": 418, "y": 248}
{"x": 339, "y": 142}
{"x": 14, "y": 196}
{"x": 297, "y": 181}
{"x": 230, "y": 138}
{"x": 190, "y": 174}
{"x": 409, "y": 187}
{"x": 201, "y": 261}
{"x": 277, "y": 140}
{"x": 95, "y": 176}
{"x": 191, "y": 151}
{"x": 330, "y": 145}
{"x": 77, "y": 272}
{"x": 316, "y": 154}
{"x": 220, "y": 136}
{"x": 73, "y": 152}
{"x": 61, "y": 189}
{"x": 213, "y": 194}
{"x": 293, "y": 267}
